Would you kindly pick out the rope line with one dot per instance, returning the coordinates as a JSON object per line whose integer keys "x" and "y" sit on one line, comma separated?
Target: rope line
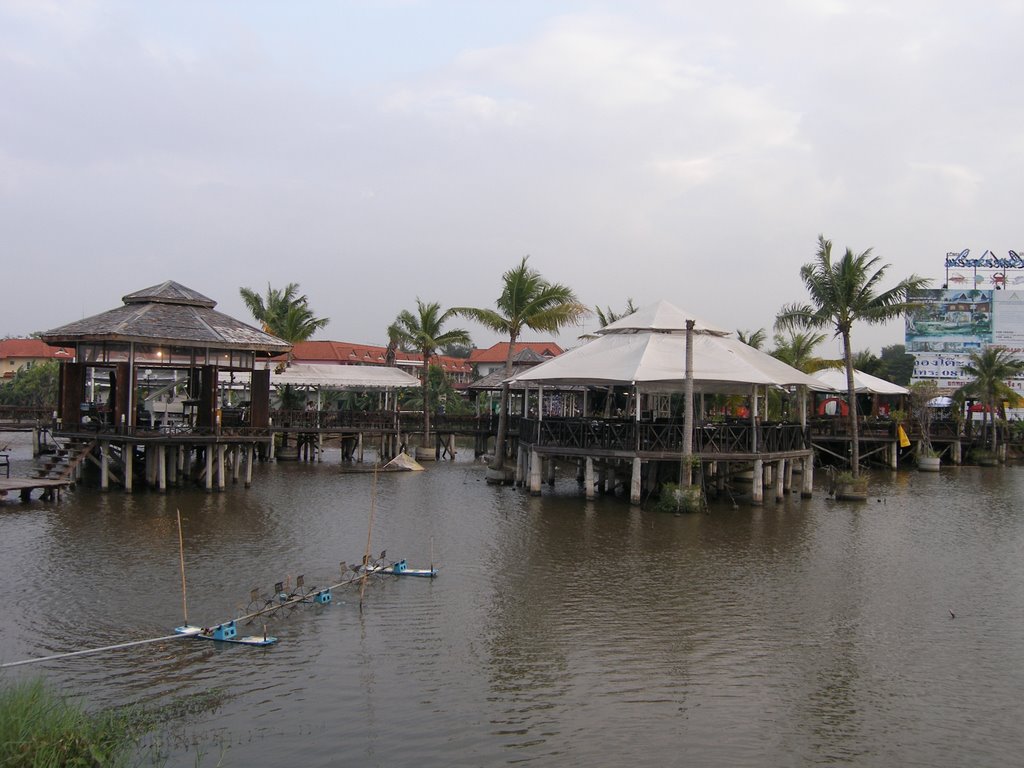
{"x": 69, "y": 654}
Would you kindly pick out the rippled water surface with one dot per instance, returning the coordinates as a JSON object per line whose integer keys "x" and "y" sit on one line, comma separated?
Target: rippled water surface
{"x": 805, "y": 632}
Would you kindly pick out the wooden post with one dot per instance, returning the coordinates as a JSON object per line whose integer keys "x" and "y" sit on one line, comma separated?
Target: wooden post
{"x": 588, "y": 477}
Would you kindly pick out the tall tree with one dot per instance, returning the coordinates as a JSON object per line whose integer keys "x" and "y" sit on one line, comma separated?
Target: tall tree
{"x": 992, "y": 368}
{"x": 424, "y": 331}
{"x": 897, "y": 365}
{"x": 841, "y": 293}
{"x": 283, "y": 312}
{"x": 527, "y": 300}
{"x": 753, "y": 339}
{"x": 797, "y": 349}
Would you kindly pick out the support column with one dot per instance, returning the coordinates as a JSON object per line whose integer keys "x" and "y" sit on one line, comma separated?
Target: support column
{"x": 757, "y": 484}
{"x": 634, "y": 482}
{"x": 894, "y": 455}
{"x": 956, "y": 450}
{"x": 551, "y": 471}
{"x": 105, "y": 466}
{"x": 209, "y": 467}
{"x": 250, "y": 451}
{"x": 535, "y": 472}
{"x": 128, "y": 456}
{"x": 161, "y": 468}
{"x": 780, "y": 475}
{"x": 588, "y": 478}
{"x": 359, "y": 439}
{"x": 236, "y": 463}
{"x": 520, "y": 476}
{"x": 808, "y": 477}
{"x": 788, "y": 482}
{"x": 220, "y": 467}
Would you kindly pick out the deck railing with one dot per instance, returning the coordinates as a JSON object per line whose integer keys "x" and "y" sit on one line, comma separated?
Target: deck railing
{"x": 626, "y": 435}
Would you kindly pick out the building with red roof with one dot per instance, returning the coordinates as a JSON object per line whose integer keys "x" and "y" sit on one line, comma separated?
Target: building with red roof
{"x": 458, "y": 370}
{"x": 485, "y": 361}
{"x": 16, "y": 354}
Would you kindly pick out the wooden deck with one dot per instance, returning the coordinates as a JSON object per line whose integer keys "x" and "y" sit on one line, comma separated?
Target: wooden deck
{"x": 25, "y": 485}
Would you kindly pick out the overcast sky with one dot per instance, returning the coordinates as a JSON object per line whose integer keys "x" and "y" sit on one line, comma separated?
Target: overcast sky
{"x": 374, "y": 152}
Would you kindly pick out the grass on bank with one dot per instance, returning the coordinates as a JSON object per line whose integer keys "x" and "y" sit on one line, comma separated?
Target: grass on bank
{"x": 40, "y": 728}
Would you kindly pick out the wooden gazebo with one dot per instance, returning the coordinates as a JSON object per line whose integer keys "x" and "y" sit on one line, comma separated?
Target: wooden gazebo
{"x": 170, "y": 339}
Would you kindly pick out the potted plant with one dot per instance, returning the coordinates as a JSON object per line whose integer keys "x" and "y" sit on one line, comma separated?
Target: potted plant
{"x": 849, "y": 487}
{"x": 921, "y": 395}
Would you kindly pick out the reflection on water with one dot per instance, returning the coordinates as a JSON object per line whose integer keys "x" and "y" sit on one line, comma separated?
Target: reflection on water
{"x": 559, "y": 629}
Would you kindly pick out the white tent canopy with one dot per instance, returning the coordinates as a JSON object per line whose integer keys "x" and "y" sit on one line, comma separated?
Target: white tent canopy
{"x": 659, "y": 317}
{"x": 353, "y": 377}
{"x": 863, "y": 383}
{"x": 654, "y": 360}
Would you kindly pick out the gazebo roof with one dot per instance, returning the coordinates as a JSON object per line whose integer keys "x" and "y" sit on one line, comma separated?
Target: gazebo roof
{"x": 661, "y": 317}
{"x": 171, "y": 314}
{"x": 652, "y": 358}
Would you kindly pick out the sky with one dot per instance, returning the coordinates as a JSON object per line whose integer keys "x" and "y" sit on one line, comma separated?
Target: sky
{"x": 380, "y": 152}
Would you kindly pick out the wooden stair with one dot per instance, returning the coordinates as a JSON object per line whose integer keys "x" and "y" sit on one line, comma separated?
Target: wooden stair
{"x": 61, "y": 465}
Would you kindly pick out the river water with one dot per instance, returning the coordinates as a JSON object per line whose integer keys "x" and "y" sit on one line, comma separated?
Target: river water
{"x": 559, "y": 630}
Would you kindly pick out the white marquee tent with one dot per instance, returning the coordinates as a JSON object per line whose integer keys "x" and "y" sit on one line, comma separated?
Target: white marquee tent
{"x": 863, "y": 383}
{"x": 648, "y": 350}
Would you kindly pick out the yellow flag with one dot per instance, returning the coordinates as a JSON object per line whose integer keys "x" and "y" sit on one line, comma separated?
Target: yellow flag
{"x": 904, "y": 440}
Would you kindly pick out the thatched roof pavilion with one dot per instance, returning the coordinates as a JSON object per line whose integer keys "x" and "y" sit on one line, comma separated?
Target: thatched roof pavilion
{"x": 167, "y": 327}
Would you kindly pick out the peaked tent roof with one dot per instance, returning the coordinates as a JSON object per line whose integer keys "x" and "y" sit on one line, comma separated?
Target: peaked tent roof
{"x": 659, "y": 317}
{"x": 168, "y": 313}
{"x": 654, "y": 359}
{"x": 863, "y": 383}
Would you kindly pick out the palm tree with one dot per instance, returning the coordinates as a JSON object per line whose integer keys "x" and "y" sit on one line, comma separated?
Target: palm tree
{"x": 753, "y": 339}
{"x": 527, "y": 300}
{"x": 284, "y": 313}
{"x": 991, "y": 368}
{"x": 842, "y": 293}
{"x": 798, "y": 350}
{"x": 424, "y": 331}
{"x": 607, "y": 316}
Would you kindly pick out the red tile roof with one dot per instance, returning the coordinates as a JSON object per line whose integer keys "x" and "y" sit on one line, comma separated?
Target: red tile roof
{"x": 498, "y": 352}
{"x": 30, "y": 348}
{"x": 346, "y": 353}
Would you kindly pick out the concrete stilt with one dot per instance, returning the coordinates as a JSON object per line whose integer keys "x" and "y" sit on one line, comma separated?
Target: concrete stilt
{"x": 209, "y": 467}
{"x": 221, "y": 449}
{"x": 550, "y": 471}
{"x": 588, "y": 478}
{"x": 634, "y": 482}
{"x": 780, "y": 475}
{"x": 249, "y": 452}
{"x": 128, "y": 455}
{"x": 757, "y": 484}
{"x": 535, "y": 473}
{"x": 807, "y": 489}
{"x": 105, "y": 466}
{"x": 161, "y": 468}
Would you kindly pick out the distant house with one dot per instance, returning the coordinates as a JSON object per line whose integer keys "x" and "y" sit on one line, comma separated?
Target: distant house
{"x": 486, "y": 361}
{"x": 16, "y": 354}
{"x": 458, "y": 371}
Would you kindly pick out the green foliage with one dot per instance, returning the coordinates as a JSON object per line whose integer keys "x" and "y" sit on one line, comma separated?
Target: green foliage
{"x": 35, "y": 386}
{"x": 527, "y": 300}
{"x": 896, "y": 365}
{"x": 755, "y": 339}
{"x": 673, "y": 498}
{"x": 991, "y": 368}
{"x": 796, "y": 348}
{"x": 442, "y": 392}
{"x": 867, "y": 361}
{"x": 284, "y": 313}
{"x": 424, "y": 330}
{"x": 40, "y": 728}
{"x": 844, "y": 291}
{"x": 606, "y": 317}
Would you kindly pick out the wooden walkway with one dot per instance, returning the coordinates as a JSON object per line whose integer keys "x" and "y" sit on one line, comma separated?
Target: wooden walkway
{"x": 24, "y": 486}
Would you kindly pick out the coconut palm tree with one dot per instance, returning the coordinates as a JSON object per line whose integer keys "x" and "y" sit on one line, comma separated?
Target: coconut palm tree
{"x": 843, "y": 292}
{"x": 424, "y": 331}
{"x": 753, "y": 339}
{"x": 283, "y": 312}
{"x": 991, "y": 368}
{"x": 527, "y": 300}
{"x": 798, "y": 350}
